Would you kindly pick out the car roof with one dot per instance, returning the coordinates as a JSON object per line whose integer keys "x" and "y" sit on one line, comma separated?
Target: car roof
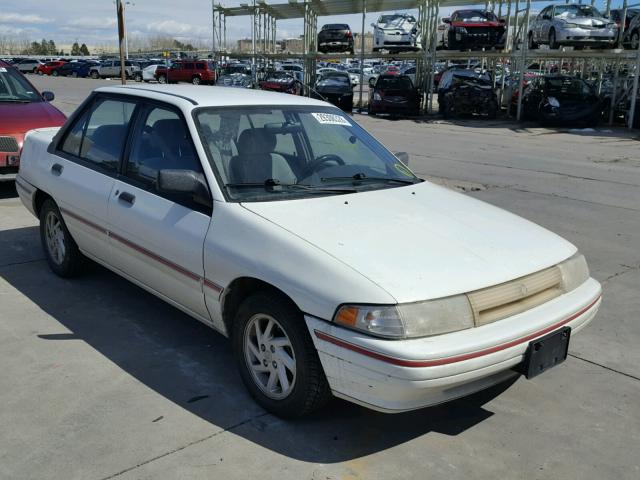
{"x": 201, "y": 96}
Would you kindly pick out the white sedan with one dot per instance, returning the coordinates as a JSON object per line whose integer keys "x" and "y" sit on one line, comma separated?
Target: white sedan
{"x": 281, "y": 223}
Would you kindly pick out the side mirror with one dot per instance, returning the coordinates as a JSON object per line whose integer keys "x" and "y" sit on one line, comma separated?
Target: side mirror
{"x": 403, "y": 157}
{"x": 372, "y": 82}
{"x": 187, "y": 182}
{"x": 546, "y": 16}
{"x": 48, "y": 96}
{"x": 502, "y": 21}
{"x": 446, "y": 19}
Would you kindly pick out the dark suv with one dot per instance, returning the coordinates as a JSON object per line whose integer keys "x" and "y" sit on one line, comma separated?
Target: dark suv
{"x": 193, "y": 71}
{"x": 335, "y": 37}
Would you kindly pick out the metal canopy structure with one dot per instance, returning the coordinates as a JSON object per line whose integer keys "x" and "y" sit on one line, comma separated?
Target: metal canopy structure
{"x": 516, "y": 55}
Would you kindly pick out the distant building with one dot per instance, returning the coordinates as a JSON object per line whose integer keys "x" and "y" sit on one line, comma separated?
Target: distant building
{"x": 245, "y": 45}
{"x": 368, "y": 42}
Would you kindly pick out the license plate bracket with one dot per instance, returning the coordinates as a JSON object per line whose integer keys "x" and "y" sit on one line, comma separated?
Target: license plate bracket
{"x": 546, "y": 352}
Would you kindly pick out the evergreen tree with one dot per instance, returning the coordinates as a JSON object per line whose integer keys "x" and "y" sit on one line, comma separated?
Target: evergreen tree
{"x": 51, "y": 47}
{"x": 75, "y": 49}
{"x": 84, "y": 50}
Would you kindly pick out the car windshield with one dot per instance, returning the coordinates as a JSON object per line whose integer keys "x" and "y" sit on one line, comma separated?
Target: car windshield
{"x": 475, "y": 16}
{"x": 277, "y": 153}
{"x": 334, "y": 78}
{"x": 565, "y": 87}
{"x": 15, "y": 89}
{"x": 278, "y": 76}
{"x": 336, "y": 26}
{"x": 394, "y": 83}
{"x": 395, "y": 20}
{"x": 576, "y": 11}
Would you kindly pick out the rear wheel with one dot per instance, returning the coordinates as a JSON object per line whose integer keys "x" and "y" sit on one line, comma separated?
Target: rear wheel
{"x": 94, "y": 74}
{"x": 195, "y": 80}
{"x": 61, "y": 251}
{"x": 162, "y": 79}
{"x": 553, "y": 44}
{"x": 138, "y": 77}
{"x": 532, "y": 45}
{"x": 276, "y": 357}
{"x": 35, "y": 70}
{"x": 40, "y": 72}
{"x": 74, "y": 74}
{"x": 55, "y": 73}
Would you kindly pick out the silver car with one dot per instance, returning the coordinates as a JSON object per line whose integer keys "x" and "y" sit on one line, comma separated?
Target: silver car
{"x": 576, "y": 25}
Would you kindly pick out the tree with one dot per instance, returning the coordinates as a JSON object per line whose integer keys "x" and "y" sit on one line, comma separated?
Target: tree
{"x": 84, "y": 50}
{"x": 51, "y": 47}
{"x": 75, "y": 49}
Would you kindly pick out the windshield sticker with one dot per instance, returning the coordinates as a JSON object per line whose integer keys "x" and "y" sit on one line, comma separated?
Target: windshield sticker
{"x": 403, "y": 170}
{"x": 3, "y": 70}
{"x": 331, "y": 119}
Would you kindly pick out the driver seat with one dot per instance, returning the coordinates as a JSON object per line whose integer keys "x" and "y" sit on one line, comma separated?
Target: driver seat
{"x": 256, "y": 162}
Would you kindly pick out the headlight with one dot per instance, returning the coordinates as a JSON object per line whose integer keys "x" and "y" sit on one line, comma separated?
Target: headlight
{"x": 377, "y": 97}
{"x": 461, "y": 30}
{"x": 571, "y": 25}
{"x": 408, "y": 320}
{"x": 553, "y": 101}
{"x": 574, "y": 272}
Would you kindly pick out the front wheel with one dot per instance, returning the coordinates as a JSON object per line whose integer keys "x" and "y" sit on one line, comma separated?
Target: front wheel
{"x": 276, "y": 357}
{"x": 55, "y": 73}
{"x": 635, "y": 40}
{"x": 138, "y": 77}
{"x": 162, "y": 79}
{"x": 94, "y": 74}
{"x": 553, "y": 43}
{"x": 195, "y": 80}
{"x": 532, "y": 45}
{"x": 61, "y": 250}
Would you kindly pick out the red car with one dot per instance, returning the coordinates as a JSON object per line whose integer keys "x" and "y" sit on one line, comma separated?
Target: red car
{"x": 394, "y": 94}
{"x": 473, "y": 29}
{"x": 281, "y": 82}
{"x": 392, "y": 70}
{"x": 193, "y": 71}
{"x": 22, "y": 108}
{"x": 47, "y": 68}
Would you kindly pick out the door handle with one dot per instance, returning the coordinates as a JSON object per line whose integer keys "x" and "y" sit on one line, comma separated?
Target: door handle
{"x": 127, "y": 198}
{"x": 56, "y": 169}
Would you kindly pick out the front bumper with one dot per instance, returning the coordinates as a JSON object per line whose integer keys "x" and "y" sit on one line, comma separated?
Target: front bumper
{"x": 582, "y": 35}
{"x": 401, "y": 375}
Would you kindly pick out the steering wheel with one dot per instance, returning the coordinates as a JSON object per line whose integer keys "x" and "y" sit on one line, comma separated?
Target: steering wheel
{"x": 322, "y": 159}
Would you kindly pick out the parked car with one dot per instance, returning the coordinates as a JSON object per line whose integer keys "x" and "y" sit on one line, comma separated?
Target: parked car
{"x": 396, "y": 32}
{"x": 473, "y": 29}
{"x": 335, "y": 37}
{"x": 631, "y": 31}
{"x": 395, "y": 94}
{"x": 391, "y": 70}
{"x": 236, "y": 80}
{"x": 468, "y": 95}
{"x": 74, "y": 69}
{"x": 192, "y": 71}
{"x": 112, "y": 68}
{"x": 455, "y": 73}
{"x": 48, "y": 67}
{"x": 149, "y": 72}
{"x": 27, "y": 65}
{"x": 291, "y": 67}
{"x": 299, "y": 261}
{"x": 335, "y": 87}
{"x": 572, "y": 24}
{"x": 562, "y": 100}
{"x": 410, "y": 72}
{"x": 354, "y": 75}
{"x": 281, "y": 82}
{"x": 22, "y": 108}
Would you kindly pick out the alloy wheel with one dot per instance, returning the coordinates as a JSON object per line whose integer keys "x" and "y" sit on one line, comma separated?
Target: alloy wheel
{"x": 269, "y": 356}
{"x": 54, "y": 236}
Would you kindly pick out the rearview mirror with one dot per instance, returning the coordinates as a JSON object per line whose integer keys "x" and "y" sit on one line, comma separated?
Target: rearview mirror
{"x": 372, "y": 82}
{"x": 185, "y": 181}
{"x": 446, "y": 19}
{"x": 48, "y": 96}
{"x": 403, "y": 157}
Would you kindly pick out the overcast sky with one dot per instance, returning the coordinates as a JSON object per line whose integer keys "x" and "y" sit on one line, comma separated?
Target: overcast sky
{"x": 94, "y": 21}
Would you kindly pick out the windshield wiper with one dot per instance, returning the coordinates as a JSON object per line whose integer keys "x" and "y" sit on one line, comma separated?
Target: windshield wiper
{"x": 272, "y": 185}
{"x": 360, "y": 177}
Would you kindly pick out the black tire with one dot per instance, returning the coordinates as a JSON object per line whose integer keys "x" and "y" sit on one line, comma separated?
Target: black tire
{"x": 35, "y": 70}
{"x": 71, "y": 261}
{"x": 553, "y": 44}
{"x": 162, "y": 79}
{"x": 196, "y": 80}
{"x": 532, "y": 45}
{"x": 55, "y": 73}
{"x": 74, "y": 74}
{"x": 492, "y": 110}
{"x": 310, "y": 389}
{"x": 40, "y": 72}
{"x": 94, "y": 74}
{"x": 138, "y": 77}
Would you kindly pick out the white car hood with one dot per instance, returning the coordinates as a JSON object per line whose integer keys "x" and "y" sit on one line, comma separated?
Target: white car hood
{"x": 422, "y": 241}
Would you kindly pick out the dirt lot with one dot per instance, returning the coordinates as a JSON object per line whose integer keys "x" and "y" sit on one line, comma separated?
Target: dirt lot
{"x": 101, "y": 380}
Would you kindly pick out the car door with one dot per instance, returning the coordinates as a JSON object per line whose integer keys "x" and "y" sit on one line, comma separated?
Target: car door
{"x": 157, "y": 237}
{"x": 545, "y": 24}
{"x": 84, "y": 166}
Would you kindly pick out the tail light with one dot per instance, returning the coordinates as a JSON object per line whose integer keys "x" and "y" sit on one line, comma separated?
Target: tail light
{"x": 348, "y": 34}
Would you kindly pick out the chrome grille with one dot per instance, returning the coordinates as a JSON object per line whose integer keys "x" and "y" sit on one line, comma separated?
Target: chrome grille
{"x": 516, "y": 296}
{"x": 8, "y": 144}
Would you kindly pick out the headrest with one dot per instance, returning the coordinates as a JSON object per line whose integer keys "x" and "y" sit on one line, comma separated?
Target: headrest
{"x": 256, "y": 140}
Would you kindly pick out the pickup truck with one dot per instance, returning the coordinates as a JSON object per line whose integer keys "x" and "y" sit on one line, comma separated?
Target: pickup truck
{"x": 335, "y": 37}
{"x": 111, "y": 68}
